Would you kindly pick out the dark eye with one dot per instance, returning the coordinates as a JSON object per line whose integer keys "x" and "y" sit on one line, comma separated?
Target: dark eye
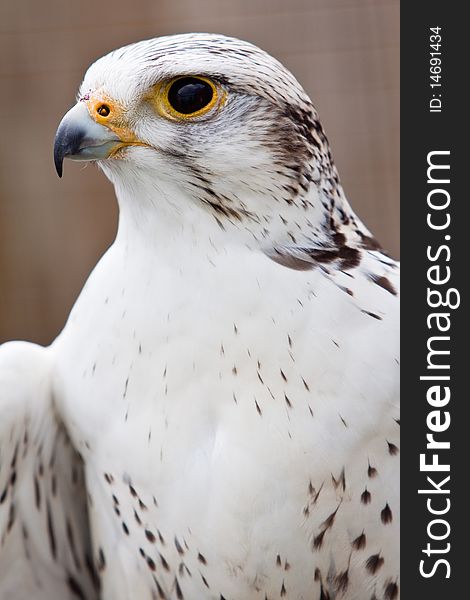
{"x": 189, "y": 95}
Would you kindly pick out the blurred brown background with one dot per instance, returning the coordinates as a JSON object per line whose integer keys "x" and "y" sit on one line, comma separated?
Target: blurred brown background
{"x": 52, "y": 232}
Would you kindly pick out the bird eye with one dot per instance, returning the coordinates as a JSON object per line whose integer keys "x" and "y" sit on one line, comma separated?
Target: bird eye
{"x": 187, "y": 97}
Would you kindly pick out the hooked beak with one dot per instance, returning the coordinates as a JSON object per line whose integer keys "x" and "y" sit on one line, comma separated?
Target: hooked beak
{"x": 79, "y": 137}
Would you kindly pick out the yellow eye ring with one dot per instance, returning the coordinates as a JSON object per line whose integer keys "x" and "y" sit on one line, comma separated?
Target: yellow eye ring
{"x": 187, "y": 97}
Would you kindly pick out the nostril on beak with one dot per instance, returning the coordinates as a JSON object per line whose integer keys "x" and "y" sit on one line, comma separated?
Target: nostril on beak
{"x": 103, "y": 110}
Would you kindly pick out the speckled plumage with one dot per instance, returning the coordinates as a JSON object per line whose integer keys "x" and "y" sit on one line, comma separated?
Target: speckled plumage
{"x": 228, "y": 378}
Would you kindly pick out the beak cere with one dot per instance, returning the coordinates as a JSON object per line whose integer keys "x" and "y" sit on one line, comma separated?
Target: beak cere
{"x": 79, "y": 137}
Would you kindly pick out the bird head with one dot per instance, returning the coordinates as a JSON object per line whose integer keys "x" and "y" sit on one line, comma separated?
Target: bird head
{"x": 206, "y": 123}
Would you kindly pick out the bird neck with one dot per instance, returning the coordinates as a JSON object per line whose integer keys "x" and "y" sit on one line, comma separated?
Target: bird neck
{"x": 162, "y": 215}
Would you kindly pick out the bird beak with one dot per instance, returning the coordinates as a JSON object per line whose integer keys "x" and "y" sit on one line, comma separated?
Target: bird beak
{"x": 79, "y": 137}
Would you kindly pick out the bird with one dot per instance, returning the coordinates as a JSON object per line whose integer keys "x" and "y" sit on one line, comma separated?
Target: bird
{"x": 219, "y": 417}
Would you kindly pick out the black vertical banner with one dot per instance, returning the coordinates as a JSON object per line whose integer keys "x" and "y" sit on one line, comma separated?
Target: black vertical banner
{"x": 435, "y": 257}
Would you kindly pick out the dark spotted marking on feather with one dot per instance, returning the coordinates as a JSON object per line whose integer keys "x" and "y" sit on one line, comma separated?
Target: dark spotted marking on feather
{"x": 25, "y": 535}
{"x": 324, "y": 595}
{"x": 341, "y": 581}
{"x": 109, "y": 478}
{"x": 92, "y": 572}
{"x": 328, "y": 522}
{"x": 304, "y": 259}
{"x": 101, "y": 562}
{"x": 371, "y": 471}
{"x": 283, "y": 590}
{"x": 125, "y": 528}
{"x": 290, "y": 261}
{"x": 386, "y": 515}
{"x": 201, "y": 558}
{"x": 316, "y": 494}
{"x": 160, "y": 537}
{"x": 11, "y": 518}
{"x": 13, "y": 480}
{"x": 366, "y": 497}
{"x": 371, "y": 314}
{"x": 151, "y": 563}
{"x": 318, "y": 540}
{"x": 182, "y": 569}
{"x": 137, "y": 518}
{"x": 360, "y": 542}
{"x": 178, "y": 546}
{"x": 258, "y": 408}
{"x": 384, "y": 283}
{"x": 161, "y": 593}
{"x": 288, "y": 402}
{"x": 390, "y": 591}
{"x": 179, "y": 593}
{"x": 125, "y": 388}
{"x": 75, "y": 588}
{"x": 164, "y": 562}
{"x": 71, "y": 541}
{"x": 392, "y": 449}
{"x": 368, "y": 242}
{"x": 340, "y": 482}
{"x": 15, "y": 456}
{"x": 204, "y": 580}
{"x": 149, "y": 535}
{"x": 4, "y": 495}
{"x": 50, "y": 531}
{"x": 373, "y": 563}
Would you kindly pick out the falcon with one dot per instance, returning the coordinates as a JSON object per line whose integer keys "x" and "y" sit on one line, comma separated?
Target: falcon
{"x": 218, "y": 418}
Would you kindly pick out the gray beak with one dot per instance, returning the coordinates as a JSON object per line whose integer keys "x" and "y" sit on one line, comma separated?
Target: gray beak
{"x": 80, "y": 138}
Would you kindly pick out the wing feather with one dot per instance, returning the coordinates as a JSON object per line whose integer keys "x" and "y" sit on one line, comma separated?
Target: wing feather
{"x": 45, "y": 550}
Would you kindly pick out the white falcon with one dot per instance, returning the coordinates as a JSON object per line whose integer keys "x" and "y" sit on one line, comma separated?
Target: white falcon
{"x": 219, "y": 417}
